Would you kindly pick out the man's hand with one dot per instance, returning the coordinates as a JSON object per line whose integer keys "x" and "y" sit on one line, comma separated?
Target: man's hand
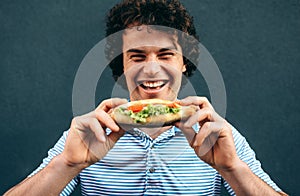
{"x": 214, "y": 145}
{"x": 87, "y": 141}
{"x": 214, "y": 142}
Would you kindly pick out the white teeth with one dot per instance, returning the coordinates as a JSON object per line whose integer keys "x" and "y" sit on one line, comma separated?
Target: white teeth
{"x": 153, "y": 83}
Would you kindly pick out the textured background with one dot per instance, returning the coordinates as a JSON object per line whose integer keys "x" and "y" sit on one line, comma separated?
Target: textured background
{"x": 256, "y": 45}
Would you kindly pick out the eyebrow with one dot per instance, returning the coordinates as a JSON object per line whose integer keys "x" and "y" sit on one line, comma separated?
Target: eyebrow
{"x": 167, "y": 49}
{"x": 133, "y": 50}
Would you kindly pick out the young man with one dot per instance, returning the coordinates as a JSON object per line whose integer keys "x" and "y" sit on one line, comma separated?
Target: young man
{"x": 107, "y": 160}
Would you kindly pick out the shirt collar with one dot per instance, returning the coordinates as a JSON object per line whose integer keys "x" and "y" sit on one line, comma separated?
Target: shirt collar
{"x": 165, "y": 135}
{"x": 168, "y": 134}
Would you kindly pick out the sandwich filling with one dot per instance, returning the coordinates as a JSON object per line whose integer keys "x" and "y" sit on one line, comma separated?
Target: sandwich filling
{"x": 140, "y": 113}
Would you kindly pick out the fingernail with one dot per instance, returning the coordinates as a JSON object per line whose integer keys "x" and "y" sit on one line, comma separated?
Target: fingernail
{"x": 195, "y": 143}
{"x": 187, "y": 124}
{"x": 178, "y": 101}
{"x": 116, "y": 128}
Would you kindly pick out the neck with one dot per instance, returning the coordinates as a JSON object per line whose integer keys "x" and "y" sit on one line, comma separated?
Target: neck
{"x": 155, "y": 132}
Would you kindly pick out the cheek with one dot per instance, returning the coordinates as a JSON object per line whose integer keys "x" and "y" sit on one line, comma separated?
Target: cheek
{"x": 178, "y": 61}
{"x": 174, "y": 72}
{"x": 131, "y": 72}
{"x": 179, "y": 66}
{"x": 125, "y": 65}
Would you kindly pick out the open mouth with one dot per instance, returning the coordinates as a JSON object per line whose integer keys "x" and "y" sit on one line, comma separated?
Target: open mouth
{"x": 153, "y": 85}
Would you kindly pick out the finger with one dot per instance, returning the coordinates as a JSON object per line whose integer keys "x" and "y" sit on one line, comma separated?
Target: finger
{"x": 188, "y": 132}
{"x": 85, "y": 124}
{"x": 207, "y": 130}
{"x": 113, "y": 137}
{"x": 206, "y": 139}
{"x": 127, "y": 127}
{"x": 97, "y": 129}
{"x": 87, "y": 115}
{"x": 108, "y": 104}
{"x": 201, "y": 115}
{"x": 106, "y": 120}
{"x": 202, "y": 102}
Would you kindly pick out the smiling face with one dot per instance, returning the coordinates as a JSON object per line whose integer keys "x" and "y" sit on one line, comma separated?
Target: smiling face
{"x": 153, "y": 63}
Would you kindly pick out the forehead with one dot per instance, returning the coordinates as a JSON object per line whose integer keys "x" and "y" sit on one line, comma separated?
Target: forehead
{"x": 141, "y": 36}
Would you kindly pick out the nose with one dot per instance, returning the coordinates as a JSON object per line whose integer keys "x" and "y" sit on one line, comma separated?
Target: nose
{"x": 152, "y": 68}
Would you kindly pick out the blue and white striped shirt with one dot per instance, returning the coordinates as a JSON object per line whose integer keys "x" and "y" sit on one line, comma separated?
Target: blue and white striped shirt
{"x": 167, "y": 165}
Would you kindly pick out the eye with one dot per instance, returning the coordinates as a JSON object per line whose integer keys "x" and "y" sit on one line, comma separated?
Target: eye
{"x": 137, "y": 57}
{"x": 166, "y": 55}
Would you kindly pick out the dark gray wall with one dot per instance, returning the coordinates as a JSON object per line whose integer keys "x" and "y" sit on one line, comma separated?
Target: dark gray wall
{"x": 256, "y": 45}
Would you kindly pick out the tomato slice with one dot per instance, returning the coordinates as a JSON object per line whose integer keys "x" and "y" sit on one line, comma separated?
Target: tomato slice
{"x": 136, "y": 108}
{"x": 172, "y": 105}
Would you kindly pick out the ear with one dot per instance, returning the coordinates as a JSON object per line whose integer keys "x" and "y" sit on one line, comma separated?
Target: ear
{"x": 183, "y": 68}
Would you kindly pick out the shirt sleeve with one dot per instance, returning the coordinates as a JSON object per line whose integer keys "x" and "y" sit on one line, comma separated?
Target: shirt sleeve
{"x": 56, "y": 150}
{"x": 247, "y": 155}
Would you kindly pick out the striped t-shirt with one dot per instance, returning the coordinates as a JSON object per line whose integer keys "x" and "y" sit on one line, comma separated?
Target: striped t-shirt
{"x": 167, "y": 165}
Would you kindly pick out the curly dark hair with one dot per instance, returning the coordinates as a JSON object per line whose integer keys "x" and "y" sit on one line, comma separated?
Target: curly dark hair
{"x": 168, "y": 13}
